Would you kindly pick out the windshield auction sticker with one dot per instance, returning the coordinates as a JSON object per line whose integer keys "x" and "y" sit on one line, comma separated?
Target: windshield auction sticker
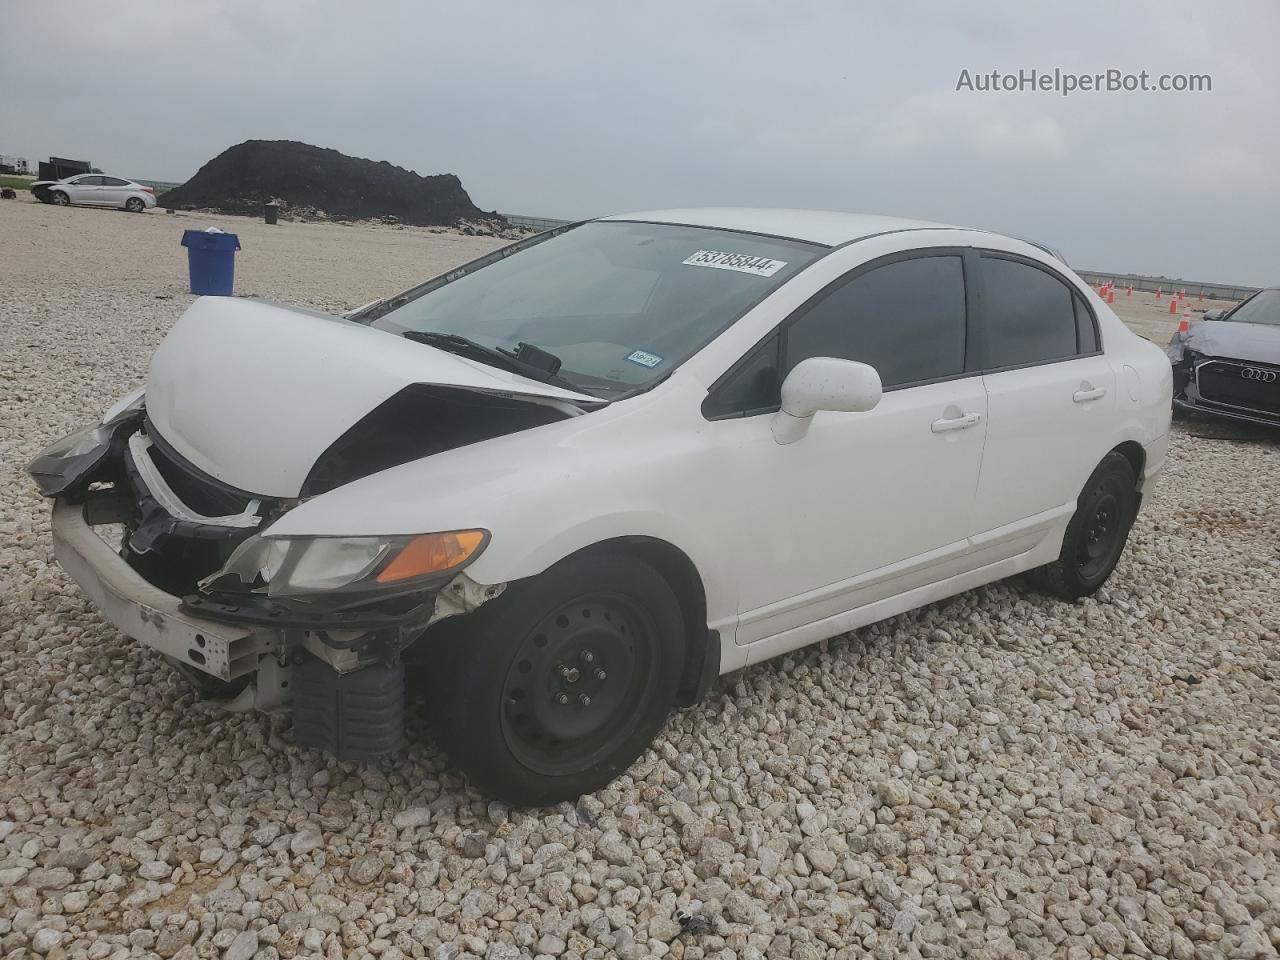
{"x": 741, "y": 262}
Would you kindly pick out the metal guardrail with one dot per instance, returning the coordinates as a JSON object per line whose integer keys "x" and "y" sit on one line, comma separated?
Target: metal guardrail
{"x": 534, "y": 223}
{"x": 1213, "y": 291}
{"x": 160, "y": 186}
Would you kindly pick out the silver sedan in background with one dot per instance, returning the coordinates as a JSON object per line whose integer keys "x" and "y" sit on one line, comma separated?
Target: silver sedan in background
{"x": 96, "y": 190}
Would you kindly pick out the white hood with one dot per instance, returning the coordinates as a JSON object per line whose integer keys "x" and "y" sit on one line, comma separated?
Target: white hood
{"x": 252, "y": 393}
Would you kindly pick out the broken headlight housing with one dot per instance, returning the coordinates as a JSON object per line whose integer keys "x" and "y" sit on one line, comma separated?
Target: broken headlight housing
{"x": 352, "y": 567}
{"x": 71, "y": 460}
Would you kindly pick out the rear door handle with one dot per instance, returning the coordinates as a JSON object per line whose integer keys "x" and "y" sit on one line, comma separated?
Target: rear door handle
{"x": 1084, "y": 396}
{"x": 956, "y": 423}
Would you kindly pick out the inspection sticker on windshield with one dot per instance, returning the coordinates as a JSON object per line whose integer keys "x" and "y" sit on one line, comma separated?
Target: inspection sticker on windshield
{"x": 644, "y": 359}
{"x": 742, "y": 262}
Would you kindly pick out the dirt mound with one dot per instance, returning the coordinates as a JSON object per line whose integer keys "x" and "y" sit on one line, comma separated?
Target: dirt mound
{"x": 240, "y": 179}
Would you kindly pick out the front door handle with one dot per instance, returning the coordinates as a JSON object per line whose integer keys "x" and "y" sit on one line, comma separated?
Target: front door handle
{"x": 956, "y": 423}
{"x": 1084, "y": 396}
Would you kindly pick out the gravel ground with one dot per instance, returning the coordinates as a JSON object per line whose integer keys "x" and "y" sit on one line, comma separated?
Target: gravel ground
{"x": 997, "y": 775}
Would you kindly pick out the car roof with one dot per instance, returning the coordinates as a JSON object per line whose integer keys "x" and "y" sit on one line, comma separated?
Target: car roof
{"x": 827, "y": 227}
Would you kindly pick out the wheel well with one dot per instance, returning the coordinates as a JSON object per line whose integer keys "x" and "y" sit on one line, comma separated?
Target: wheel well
{"x": 702, "y": 649}
{"x": 1137, "y": 457}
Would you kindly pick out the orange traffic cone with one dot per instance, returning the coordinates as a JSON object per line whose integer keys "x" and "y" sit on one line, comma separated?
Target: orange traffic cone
{"x": 1111, "y": 296}
{"x": 1173, "y": 306}
{"x": 1184, "y": 324}
{"x": 1157, "y": 293}
{"x": 1182, "y": 294}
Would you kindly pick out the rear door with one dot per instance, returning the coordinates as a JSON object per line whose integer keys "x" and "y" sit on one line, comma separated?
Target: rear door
{"x": 114, "y": 190}
{"x": 1050, "y": 393}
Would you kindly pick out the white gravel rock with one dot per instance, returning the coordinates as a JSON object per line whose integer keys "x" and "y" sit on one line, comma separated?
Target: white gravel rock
{"x": 412, "y": 817}
{"x": 243, "y": 947}
{"x": 997, "y": 775}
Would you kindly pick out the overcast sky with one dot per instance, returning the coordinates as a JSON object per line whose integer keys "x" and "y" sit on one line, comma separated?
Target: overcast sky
{"x": 574, "y": 109}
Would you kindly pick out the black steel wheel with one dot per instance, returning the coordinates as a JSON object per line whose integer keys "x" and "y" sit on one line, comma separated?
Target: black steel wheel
{"x": 555, "y": 687}
{"x": 573, "y": 687}
{"x": 1097, "y": 533}
{"x": 1104, "y": 529}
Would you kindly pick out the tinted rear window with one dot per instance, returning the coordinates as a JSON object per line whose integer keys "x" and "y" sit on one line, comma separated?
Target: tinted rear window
{"x": 1030, "y": 314}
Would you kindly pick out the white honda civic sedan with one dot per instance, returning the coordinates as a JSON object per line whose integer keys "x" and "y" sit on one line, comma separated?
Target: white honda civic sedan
{"x": 572, "y": 482}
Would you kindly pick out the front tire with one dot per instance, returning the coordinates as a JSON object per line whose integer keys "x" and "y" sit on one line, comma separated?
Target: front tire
{"x": 134, "y": 205}
{"x": 555, "y": 687}
{"x": 60, "y": 199}
{"x": 1097, "y": 533}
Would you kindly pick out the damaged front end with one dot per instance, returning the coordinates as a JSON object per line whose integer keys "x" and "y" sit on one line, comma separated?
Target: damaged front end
{"x": 164, "y": 513}
{"x": 186, "y": 564}
{"x": 1227, "y": 371}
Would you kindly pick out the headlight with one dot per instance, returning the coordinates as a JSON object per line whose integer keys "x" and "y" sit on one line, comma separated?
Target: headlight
{"x": 299, "y": 566}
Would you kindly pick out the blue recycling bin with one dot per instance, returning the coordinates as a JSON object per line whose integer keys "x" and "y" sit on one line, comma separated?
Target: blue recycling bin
{"x": 211, "y": 261}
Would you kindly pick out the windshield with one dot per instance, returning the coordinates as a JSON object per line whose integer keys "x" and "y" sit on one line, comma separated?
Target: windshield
{"x": 620, "y": 304}
{"x": 1262, "y": 307}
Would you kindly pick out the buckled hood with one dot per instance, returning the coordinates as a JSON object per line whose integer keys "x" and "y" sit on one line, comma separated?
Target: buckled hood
{"x": 1259, "y": 342}
{"x": 254, "y": 393}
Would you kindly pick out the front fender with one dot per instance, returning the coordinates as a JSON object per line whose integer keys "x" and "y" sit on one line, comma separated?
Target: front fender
{"x": 636, "y": 469}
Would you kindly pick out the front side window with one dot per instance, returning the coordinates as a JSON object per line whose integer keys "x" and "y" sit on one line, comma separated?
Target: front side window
{"x": 905, "y": 318}
{"x": 751, "y": 387}
{"x": 620, "y": 304}
{"x": 1030, "y": 314}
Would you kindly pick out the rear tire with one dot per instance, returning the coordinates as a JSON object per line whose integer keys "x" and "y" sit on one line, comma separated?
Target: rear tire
{"x": 59, "y": 198}
{"x": 555, "y": 687}
{"x": 1097, "y": 533}
{"x": 134, "y": 205}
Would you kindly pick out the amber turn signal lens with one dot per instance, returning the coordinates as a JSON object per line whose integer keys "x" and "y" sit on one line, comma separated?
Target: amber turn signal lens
{"x": 432, "y": 553}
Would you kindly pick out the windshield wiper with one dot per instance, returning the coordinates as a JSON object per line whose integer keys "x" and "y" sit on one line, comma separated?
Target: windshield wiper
{"x": 527, "y": 360}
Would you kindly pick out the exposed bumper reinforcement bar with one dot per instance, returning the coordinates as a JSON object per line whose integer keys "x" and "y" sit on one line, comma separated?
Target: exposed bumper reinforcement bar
{"x": 148, "y": 614}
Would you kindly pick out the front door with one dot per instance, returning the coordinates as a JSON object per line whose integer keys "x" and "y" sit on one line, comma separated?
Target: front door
{"x": 865, "y": 505}
{"x": 86, "y": 190}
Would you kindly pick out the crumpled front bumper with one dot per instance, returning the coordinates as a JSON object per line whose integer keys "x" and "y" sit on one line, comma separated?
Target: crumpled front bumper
{"x": 340, "y": 671}
{"x": 350, "y": 709}
{"x": 148, "y": 614}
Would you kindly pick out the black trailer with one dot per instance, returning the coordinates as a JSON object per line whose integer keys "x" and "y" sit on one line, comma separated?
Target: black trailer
{"x": 59, "y": 168}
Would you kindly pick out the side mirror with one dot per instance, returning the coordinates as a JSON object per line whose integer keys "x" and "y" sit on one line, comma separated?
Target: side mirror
{"x": 823, "y": 383}
{"x": 1215, "y": 314}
